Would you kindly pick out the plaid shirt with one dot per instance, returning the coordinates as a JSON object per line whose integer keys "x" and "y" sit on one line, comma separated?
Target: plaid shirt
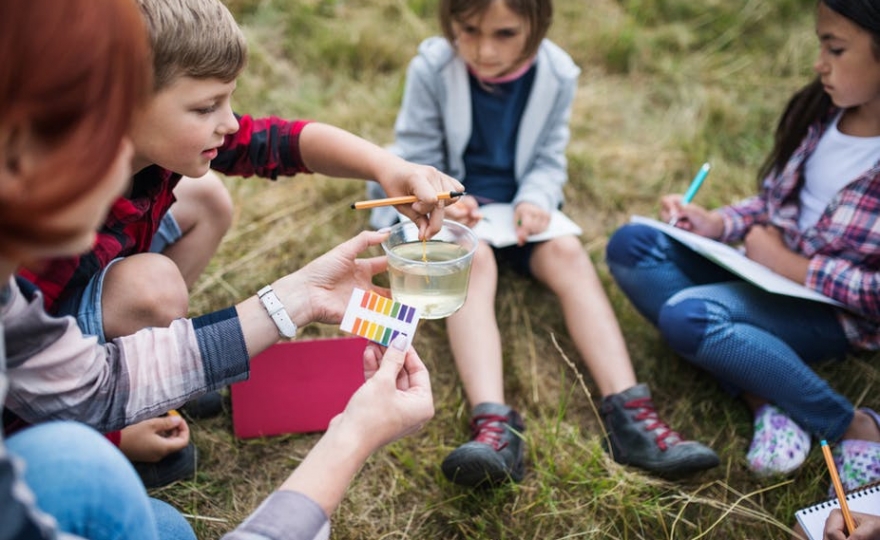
{"x": 843, "y": 246}
{"x": 266, "y": 147}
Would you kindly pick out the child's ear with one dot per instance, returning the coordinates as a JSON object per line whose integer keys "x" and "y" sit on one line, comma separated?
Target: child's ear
{"x": 17, "y": 160}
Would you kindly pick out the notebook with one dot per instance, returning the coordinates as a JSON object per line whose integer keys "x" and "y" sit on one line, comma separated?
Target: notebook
{"x": 497, "y": 227}
{"x": 297, "y": 386}
{"x": 865, "y": 500}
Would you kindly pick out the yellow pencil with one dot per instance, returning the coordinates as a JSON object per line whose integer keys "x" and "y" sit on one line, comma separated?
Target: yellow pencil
{"x": 838, "y": 488}
{"x": 406, "y": 199}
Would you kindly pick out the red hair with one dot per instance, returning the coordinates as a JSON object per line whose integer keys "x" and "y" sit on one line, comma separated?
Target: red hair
{"x": 72, "y": 73}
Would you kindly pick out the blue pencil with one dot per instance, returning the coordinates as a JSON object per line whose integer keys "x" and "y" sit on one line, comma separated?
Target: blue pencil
{"x": 696, "y": 183}
{"x": 693, "y": 188}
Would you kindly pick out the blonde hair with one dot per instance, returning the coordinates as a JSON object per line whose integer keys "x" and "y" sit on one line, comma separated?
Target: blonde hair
{"x": 194, "y": 38}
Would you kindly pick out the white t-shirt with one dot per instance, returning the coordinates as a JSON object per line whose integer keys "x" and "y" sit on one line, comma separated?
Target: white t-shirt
{"x": 837, "y": 160}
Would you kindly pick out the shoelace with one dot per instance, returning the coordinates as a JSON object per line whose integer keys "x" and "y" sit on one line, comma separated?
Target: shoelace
{"x": 648, "y": 414}
{"x": 489, "y": 429}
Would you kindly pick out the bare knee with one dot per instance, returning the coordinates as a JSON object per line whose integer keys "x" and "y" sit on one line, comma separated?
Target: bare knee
{"x": 561, "y": 258}
{"x": 141, "y": 291}
{"x": 203, "y": 199}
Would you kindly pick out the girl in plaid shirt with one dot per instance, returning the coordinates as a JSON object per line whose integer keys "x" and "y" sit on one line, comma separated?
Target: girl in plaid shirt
{"x": 815, "y": 221}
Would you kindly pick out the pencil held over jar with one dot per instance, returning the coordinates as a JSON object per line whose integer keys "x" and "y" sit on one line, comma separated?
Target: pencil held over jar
{"x": 406, "y": 199}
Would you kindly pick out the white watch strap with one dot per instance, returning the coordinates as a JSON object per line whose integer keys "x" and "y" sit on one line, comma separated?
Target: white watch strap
{"x": 275, "y": 308}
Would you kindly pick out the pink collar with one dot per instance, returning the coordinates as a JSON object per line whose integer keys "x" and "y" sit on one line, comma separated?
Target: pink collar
{"x": 505, "y": 78}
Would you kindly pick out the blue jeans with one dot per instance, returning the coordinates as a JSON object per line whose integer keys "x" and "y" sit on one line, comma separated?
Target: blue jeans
{"x": 751, "y": 340}
{"x": 84, "y": 482}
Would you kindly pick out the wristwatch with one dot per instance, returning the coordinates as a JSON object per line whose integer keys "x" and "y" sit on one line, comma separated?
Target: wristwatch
{"x": 286, "y": 327}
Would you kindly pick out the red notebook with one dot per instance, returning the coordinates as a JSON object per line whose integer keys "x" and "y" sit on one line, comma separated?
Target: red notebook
{"x": 297, "y": 386}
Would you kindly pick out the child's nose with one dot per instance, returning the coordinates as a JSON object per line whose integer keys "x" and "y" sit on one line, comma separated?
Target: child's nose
{"x": 229, "y": 124}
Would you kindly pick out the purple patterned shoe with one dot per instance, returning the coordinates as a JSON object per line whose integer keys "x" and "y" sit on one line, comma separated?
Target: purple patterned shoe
{"x": 858, "y": 462}
{"x": 779, "y": 445}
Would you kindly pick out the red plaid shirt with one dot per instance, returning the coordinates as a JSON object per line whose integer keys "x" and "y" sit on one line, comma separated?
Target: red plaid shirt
{"x": 266, "y": 147}
{"x": 843, "y": 246}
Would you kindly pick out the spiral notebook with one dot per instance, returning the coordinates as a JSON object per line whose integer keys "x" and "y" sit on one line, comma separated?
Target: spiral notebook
{"x": 865, "y": 500}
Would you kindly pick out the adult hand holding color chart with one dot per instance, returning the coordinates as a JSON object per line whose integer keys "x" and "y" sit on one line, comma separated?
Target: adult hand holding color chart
{"x": 378, "y": 318}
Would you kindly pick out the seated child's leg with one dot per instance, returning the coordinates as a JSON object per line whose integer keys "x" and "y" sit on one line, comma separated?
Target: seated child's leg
{"x": 83, "y": 481}
{"x": 473, "y": 333}
{"x": 495, "y": 452}
{"x": 636, "y": 434}
{"x": 202, "y": 214}
{"x": 565, "y": 268}
{"x": 650, "y": 267}
{"x": 141, "y": 291}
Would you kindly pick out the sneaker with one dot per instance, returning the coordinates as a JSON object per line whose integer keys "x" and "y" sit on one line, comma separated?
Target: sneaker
{"x": 180, "y": 465}
{"x": 637, "y": 436}
{"x": 779, "y": 445}
{"x": 205, "y": 406}
{"x": 495, "y": 452}
{"x": 857, "y": 461}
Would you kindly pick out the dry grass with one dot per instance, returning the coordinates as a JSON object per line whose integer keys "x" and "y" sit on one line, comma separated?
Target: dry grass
{"x": 666, "y": 85}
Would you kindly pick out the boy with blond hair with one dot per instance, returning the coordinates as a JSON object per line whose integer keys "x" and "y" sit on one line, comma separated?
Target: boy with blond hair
{"x": 160, "y": 235}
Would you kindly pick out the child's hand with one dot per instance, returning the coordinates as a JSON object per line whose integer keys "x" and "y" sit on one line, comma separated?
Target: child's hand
{"x": 401, "y": 177}
{"x": 764, "y": 244}
{"x": 691, "y": 217}
{"x": 529, "y": 219}
{"x": 466, "y": 211}
{"x": 153, "y": 439}
{"x": 867, "y": 527}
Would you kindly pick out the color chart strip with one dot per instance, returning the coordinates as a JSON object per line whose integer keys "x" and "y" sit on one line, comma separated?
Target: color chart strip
{"x": 379, "y": 319}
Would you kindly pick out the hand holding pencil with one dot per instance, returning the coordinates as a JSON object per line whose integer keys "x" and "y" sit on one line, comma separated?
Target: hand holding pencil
{"x": 406, "y": 199}
{"x": 696, "y": 183}
{"x": 838, "y": 488}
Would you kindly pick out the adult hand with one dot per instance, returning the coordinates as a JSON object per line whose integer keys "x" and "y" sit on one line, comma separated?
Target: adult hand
{"x": 529, "y": 219}
{"x": 691, "y": 217}
{"x": 153, "y": 439}
{"x": 400, "y": 177}
{"x": 319, "y": 291}
{"x": 867, "y": 527}
{"x": 395, "y": 400}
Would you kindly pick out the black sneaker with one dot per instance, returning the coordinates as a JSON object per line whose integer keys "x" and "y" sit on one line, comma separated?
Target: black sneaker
{"x": 180, "y": 465}
{"x": 205, "y": 406}
{"x": 495, "y": 452}
{"x": 638, "y": 437}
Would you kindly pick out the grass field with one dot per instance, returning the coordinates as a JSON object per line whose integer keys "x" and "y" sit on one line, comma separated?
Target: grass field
{"x": 666, "y": 85}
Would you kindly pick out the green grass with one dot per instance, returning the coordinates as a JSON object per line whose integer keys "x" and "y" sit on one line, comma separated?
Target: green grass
{"x": 666, "y": 85}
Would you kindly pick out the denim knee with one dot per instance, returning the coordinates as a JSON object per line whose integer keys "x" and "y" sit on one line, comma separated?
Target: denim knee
{"x": 684, "y": 324}
{"x": 631, "y": 244}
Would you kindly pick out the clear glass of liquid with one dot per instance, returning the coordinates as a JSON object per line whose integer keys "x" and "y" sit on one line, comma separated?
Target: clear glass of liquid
{"x": 431, "y": 275}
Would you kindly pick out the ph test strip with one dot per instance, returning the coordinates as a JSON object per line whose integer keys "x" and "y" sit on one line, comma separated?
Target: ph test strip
{"x": 378, "y": 318}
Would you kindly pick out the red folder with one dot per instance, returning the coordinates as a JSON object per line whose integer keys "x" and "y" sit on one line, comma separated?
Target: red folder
{"x": 297, "y": 386}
